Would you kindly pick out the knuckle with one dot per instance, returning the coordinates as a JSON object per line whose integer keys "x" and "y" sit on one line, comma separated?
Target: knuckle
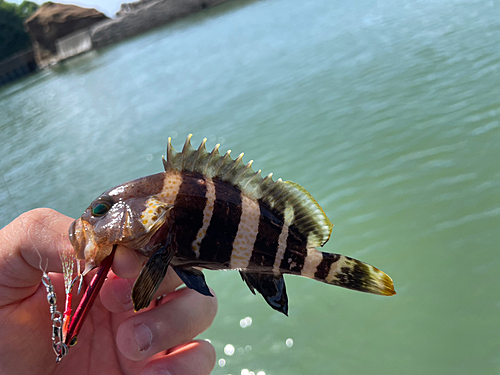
{"x": 31, "y": 221}
{"x": 38, "y": 215}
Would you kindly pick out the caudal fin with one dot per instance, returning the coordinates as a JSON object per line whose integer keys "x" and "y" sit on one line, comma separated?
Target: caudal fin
{"x": 336, "y": 269}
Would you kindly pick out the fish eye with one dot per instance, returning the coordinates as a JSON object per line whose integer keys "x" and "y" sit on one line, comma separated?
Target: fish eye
{"x": 100, "y": 207}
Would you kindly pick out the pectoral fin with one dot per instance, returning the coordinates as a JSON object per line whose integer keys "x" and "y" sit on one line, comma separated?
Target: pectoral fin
{"x": 271, "y": 287}
{"x": 193, "y": 279}
{"x": 152, "y": 275}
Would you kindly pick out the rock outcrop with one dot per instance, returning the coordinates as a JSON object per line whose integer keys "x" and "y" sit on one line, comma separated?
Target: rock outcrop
{"x": 53, "y": 21}
{"x": 143, "y": 15}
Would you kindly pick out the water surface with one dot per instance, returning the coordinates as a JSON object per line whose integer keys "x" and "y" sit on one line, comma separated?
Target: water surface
{"x": 388, "y": 112}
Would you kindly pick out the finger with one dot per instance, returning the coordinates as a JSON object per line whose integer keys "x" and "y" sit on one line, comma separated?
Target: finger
{"x": 116, "y": 293}
{"x": 34, "y": 239}
{"x": 184, "y": 315}
{"x": 127, "y": 263}
{"x": 196, "y": 358}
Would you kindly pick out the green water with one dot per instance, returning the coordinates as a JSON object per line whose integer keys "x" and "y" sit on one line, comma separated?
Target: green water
{"x": 388, "y": 112}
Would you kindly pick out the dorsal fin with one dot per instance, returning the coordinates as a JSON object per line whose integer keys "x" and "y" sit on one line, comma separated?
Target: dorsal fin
{"x": 308, "y": 216}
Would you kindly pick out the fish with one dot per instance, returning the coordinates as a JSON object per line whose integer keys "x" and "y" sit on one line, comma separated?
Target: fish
{"x": 207, "y": 210}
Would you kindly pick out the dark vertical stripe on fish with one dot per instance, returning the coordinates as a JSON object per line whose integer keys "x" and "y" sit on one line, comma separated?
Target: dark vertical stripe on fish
{"x": 188, "y": 212}
{"x": 217, "y": 244}
{"x": 296, "y": 251}
{"x": 324, "y": 267}
{"x": 266, "y": 243}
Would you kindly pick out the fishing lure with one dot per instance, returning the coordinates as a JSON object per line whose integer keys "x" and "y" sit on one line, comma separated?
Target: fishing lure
{"x": 207, "y": 210}
{"x": 60, "y": 322}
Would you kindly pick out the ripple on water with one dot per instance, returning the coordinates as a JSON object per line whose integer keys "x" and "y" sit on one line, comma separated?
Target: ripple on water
{"x": 468, "y": 219}
{"x": 485, "y": 128}
{"x": 452, "y": 180}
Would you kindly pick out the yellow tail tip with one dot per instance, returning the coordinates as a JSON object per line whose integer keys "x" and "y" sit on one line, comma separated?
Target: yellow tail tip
{"x": 386, "y": 285}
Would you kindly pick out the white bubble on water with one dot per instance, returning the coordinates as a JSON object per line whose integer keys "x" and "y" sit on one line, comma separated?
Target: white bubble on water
{"x": 222, "y": 362}
{"x": 246, "y": 322}
{"x": 229, "y": 349}
{"x": 289, "y": 343}
{"x": 149, "y": 157}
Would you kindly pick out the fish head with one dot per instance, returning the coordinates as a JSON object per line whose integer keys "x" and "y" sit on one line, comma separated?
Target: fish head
{"x": 134, "y": 215}
{"x": 129, "y": 215}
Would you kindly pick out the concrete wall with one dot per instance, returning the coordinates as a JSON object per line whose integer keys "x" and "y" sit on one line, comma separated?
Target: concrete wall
{"x": 17, "y": 66}
{"x": 142, "y": 18}
{"x": 73, "y": 44}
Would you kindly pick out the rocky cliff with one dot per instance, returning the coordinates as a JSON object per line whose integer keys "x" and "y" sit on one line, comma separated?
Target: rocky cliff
{"x": 53, "y": 21}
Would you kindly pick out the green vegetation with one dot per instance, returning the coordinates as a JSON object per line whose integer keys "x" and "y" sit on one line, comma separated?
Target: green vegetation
{"x": 13, "y": 37}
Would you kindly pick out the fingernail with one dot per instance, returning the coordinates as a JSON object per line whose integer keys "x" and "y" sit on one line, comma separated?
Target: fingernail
{"x": 122, "y": 292}
{"x": 143, "y": 337}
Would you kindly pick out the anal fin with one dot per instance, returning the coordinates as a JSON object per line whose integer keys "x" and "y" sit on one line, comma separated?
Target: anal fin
{"x": 193, "y": 279}
{"x": 152, "y": 274}
{"x": 272, "y": 288}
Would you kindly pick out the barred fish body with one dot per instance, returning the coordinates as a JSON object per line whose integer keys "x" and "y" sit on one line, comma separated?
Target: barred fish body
{"x": 210, "y": 211}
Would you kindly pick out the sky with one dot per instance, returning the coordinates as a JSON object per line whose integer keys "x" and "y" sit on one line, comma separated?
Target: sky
{"x": 108, "y": 7}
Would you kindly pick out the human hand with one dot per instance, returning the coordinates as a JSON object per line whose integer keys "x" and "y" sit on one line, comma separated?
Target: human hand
{"x": 114, "y": 339}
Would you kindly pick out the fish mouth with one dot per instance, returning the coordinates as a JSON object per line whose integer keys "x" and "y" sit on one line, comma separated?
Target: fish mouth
{"x": 83, "y": 239}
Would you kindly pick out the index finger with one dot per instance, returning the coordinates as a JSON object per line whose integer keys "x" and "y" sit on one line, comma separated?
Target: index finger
{"x": 33, "y": 240}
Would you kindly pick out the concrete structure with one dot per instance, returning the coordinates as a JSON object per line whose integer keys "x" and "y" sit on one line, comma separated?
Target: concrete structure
{"x": 17, "y": 66}
{"x": 73, "y": 44}
{"x": 145, "y": 15}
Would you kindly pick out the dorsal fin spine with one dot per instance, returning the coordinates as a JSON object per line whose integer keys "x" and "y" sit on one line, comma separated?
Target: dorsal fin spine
{"x": 200, "y": 152}
{"x": 236, "y": 163}
{"x": 268, "y": 180}
{"x": 187, "y": 144}
{"x": 288, "y": 197}
{"x": 167, "y": 164}
{"x": 244, "y": 187}
{"x": 213, "y": 156}
{"x": 222, "y": 162}
{"x": 186, "y": 151}
{"x": 248, "y": 166}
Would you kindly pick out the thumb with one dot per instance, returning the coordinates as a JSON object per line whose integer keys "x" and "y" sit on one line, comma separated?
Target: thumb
{"x": 29, "y": 244}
